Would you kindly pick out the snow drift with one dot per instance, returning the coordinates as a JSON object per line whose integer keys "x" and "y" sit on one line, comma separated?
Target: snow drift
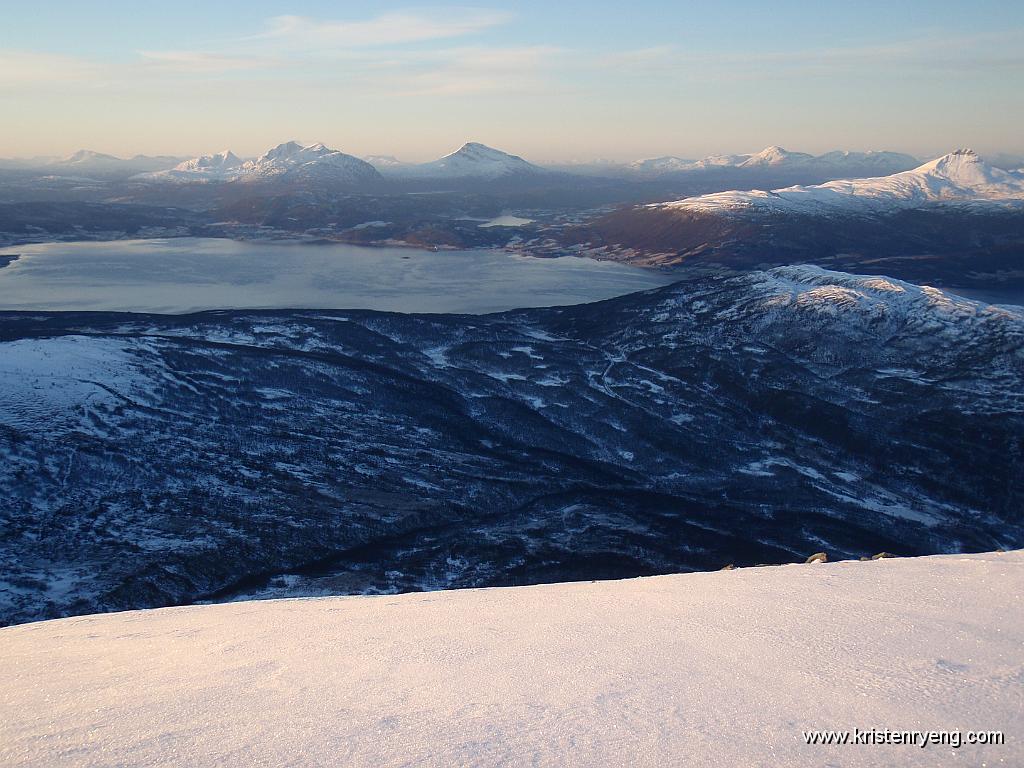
{"x": 711, "y": 669}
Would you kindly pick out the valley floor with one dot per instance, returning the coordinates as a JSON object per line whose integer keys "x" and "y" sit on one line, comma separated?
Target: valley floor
{"x": 709, "y": 669}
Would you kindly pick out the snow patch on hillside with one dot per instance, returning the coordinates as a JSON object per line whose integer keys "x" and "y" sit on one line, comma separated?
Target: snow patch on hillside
{"x": 66, "y": 383}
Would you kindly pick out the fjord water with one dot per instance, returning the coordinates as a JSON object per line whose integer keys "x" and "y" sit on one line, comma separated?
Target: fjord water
{"x": 192, "y": 274}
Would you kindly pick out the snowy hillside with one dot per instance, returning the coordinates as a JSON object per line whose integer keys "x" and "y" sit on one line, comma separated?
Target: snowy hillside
{"x": 727, "y": 418}
{"x": 715, "y": 669}
{"x": 473, "y": 160}
{"x": 959, "y": 177}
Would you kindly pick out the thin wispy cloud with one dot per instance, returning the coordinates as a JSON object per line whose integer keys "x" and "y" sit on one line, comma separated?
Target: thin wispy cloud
{"x": 27, "y": 68}
{"x": 398, "y": 42}
{"x": 472, "y": 69}
{"x": 396, "y": 53}
{"x": 199, "y": 62}
{"x": 387, "y": 29}
{"x": 981, "y": 52}
{"x": 621, "y": 83}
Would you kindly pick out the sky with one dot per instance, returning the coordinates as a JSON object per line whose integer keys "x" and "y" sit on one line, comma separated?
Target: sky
{"x": 550, "y": 81}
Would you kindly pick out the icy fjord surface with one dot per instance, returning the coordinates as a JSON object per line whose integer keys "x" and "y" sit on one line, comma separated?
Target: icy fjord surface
{"x": 191, "y": 274}
{"x": 709, "y": 669}
{"x": 153, "y": 460}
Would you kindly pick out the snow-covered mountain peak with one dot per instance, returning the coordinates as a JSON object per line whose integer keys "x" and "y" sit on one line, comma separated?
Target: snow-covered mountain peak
{"x": 475, "y": 160}
{"x": 86, "y": 156}
{"x": 775, "y": 155}
{"x": 314, "y": 162}
{"x": 385, "y": 163}
{"x": 476, "y": 148}
{"x": 965, "y": 168}
{"x": 222, "y": 161}
{"x": 666, "y": 164}
{"x": 281, "y": 151}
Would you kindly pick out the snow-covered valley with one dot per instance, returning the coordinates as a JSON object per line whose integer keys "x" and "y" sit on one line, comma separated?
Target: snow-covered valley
{"x": 743, "y": 418}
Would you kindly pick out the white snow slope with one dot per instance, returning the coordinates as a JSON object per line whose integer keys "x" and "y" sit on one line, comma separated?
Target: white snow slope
{"x": 710, "y": 669}
{"x": 961, "y": 177}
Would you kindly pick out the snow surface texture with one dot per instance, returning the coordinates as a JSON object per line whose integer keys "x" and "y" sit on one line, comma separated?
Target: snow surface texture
{"x": 959, "y": 177}
{"x": 711, "y": 669}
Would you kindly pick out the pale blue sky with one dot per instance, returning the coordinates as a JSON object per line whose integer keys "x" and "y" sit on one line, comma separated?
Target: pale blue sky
{"x": 548, "y": 80}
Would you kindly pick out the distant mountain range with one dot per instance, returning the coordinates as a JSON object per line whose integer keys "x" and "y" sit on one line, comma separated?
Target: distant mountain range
{"x": 317, "y": 162}
{"x": 476, "y": 160}
{"x": 85, "y": 162}
{"x": 956, "y": 219}
{"x": 770, "y": 158}
{"x": 777, "y": 157}
{"x": 959, "y": 177}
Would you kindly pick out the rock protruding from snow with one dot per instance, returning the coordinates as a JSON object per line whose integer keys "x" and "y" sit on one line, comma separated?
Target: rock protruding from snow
{"x": 474, "y": 161}
{"x": 959, "y": 177}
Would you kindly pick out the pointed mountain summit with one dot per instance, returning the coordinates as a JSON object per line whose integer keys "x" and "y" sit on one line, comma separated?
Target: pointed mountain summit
{"x": 775, "y": 156}
{"x": 964, "y": 168}
{"x": 87, "y": 158}
{"x": 475, "y": 160}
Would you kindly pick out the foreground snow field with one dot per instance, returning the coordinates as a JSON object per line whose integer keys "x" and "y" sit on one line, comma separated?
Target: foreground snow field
{"x": 718, "y": 669}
